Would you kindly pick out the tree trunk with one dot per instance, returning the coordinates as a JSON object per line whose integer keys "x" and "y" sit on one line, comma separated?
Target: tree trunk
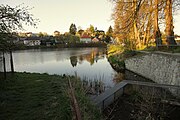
{"x": 157, "y": 33}
{"x": 4, "y": 65}
{"x": 147, "y": 32}
{"x": 169, "y": 24}
{"x": 136, "y": 31}
{"x": 11, "y": 62}
{"x": 137, "y": 37}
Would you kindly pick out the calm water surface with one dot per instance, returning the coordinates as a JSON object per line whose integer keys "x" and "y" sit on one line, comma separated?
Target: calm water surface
{"x": 89, "y": 63}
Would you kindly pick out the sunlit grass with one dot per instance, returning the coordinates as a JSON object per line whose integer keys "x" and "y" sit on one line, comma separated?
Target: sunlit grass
{"x": 114, "y": 49}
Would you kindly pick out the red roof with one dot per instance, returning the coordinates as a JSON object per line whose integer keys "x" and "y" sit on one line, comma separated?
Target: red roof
{"x": 85, "y": 36}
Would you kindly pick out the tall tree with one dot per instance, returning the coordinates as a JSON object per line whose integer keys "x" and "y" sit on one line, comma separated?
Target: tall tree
{"x": 136, "y": 8}
{"x": 80, "y": 32}
{"x": 91, "y": 29}
{"x": 12, "y": 19}
{"x": 73, "y": 29}
{"x": 157, "y": 33}
{"x": 40, "y": 34}
{"x": 56, "y": 33}
{"x": 136, "y": 22}
{"x": 169, "y": 23}
{"x": 127, "y": 20}
{"x": 109, "y": 32}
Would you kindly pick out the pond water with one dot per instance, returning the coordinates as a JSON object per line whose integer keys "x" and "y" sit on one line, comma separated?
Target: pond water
{"x": 90, "y": 64}
{"x": 87, "y": 63}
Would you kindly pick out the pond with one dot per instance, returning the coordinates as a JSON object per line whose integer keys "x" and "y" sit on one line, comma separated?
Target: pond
{"x": 87, "y": 63}
{"x": 90, "y": 64}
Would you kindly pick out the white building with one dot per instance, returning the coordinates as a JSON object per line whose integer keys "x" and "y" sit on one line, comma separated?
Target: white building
{"x": 32, "y": 41}
{"x": 85, "y": 38}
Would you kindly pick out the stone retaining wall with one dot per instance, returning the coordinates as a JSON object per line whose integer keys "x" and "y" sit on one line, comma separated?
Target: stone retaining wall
{"x": 163, "y": 68}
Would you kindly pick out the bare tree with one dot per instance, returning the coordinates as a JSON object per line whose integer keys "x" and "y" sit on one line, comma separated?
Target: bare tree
{"x": 169, "y": 23}
{"x": 12, "y": 19}
{"x": 157, "y": 33}
{"x": 138, "y": 21}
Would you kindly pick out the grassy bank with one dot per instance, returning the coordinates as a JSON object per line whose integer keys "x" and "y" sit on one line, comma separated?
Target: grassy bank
{"x": 31, "y": 96}
{"x": 117, "y": 54}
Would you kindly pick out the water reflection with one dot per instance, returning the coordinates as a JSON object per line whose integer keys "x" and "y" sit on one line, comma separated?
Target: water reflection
{"x": 73, "y": 60}
{"x": 91, "y": 57}
{"x": 88, "y": 63}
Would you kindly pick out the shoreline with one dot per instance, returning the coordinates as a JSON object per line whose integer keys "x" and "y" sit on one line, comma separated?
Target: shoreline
{"x": 76, "y": 45}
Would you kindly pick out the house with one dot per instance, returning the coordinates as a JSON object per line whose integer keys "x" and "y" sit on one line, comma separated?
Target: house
{"x": 32, "y": 41}
{"x": 95, "y": 40}
{"x": 85, "y": 38}
{"x": 177, "y": 39}
{"x": 48, "y": 41}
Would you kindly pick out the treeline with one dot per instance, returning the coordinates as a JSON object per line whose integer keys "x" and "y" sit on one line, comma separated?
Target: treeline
{"x": 75, "y": 34}
{"x": 137, "y": 22}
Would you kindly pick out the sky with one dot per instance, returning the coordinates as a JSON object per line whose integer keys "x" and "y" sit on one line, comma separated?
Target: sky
{"x": 59, "y": 14}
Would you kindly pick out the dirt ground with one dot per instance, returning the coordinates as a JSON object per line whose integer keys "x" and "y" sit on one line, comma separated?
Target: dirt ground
{"x": 127, "y": 108}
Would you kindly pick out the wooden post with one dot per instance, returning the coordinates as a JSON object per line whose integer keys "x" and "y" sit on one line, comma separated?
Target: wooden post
{"x": 4, "y": 65}
{"x": 11, "y": 62}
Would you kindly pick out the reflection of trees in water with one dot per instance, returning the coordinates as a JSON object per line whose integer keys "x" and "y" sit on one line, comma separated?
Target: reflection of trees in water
{"x": 80, "y": 59}
{"x": 73, "y": 60}
{"x": 93, "y": 56}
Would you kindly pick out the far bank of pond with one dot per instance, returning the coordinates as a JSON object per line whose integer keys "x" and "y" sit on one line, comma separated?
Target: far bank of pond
{"x": 68, "y": 45}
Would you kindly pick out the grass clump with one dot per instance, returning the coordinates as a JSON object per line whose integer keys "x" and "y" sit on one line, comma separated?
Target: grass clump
{"x": 88, "y": 110}
{"x": 117, "y": 60}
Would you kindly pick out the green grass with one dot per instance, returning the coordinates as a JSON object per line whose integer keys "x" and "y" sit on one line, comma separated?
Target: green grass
{"x": 33, "y": 96}
{"x": 114, "y": 49}
{"x": 117, "y": 60}
{"x": 88, "y": 110}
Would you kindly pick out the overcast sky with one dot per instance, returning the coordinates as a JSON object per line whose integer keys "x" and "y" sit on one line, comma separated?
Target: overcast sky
{"x": 59, "y": 14}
